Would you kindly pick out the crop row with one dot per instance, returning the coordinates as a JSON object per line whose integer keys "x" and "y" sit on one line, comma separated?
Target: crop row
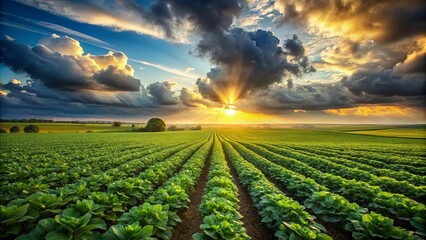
{"x": 219, "y": 206}
{"x": 379, "y": 165}
{"x": 326, "y": 166}
{"x": 391, "y": 204}
{"x": 45, "y": 203}
{"x": 60, "y": 172}
{"x": 329, "y": 207}
{"x": 388, "y": 156}
{"x": 397, "y": 175}
{"x": 128, "y": 165}
{"x": 285, "y": 216}
{"x": 157, "y": 216}
{"x": 35, "y": 167}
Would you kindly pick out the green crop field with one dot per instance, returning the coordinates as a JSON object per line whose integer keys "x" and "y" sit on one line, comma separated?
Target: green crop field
{"x": 322, "y": 183}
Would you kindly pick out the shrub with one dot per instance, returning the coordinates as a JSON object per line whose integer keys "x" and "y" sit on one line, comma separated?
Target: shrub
{"x": 31, "y": 129}
{"x": 116, "y": 124}
{"x": 196, "y": 128}
{"x": 14, "y": 129}
{"x": 2, "y": 130}
{"x": 175, "y": 128}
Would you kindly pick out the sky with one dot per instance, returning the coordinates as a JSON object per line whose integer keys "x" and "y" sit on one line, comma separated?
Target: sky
{"x": 214, "y": 61}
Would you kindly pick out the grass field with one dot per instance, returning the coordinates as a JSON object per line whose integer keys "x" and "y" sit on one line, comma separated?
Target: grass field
{"x": 395, "y": 132}
{"x": 322, "y": 183}
{"x": 69, "y": 127}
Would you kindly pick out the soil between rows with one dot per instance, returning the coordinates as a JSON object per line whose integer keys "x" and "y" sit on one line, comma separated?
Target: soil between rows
{"x": 191, "y": 217}
{"x": 251, "y": 219}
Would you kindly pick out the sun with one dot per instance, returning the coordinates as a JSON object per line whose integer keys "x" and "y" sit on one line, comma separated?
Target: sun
{"x": 230, "y": 110}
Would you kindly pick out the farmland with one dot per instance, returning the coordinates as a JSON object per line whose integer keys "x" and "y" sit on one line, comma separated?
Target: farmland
{"x": 213, "y": 184}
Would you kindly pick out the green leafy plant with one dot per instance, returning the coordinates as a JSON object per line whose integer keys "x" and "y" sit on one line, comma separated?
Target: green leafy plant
{"x": 218, "y": 226}
{"x": 129, "y": 232}
{"x": 373, "y": 225}
{"x": 330, "y": 207}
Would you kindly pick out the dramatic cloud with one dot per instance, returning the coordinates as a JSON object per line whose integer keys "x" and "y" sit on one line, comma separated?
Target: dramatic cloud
{"x": 280, "y": 98}
{"x": 64, "y": 82}
{"x": 117, "y": 15}
{"x": 406, "y": 78}
{"x": 381, "y": 21}
{"x": 63, "y": 45}
{"x": 168, "y": 19}
{"x": 162, "y": 93}
{"x": 385, "y": 83}
{"x": 346, "y": 56}
{"x": 247, "y": 61}
{"x": 59, "y": 63}
{"x": 193, "y": 99}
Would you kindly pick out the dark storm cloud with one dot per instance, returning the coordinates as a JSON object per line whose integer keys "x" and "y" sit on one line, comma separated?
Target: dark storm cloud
{"x": 162, "y": 93}
{"x": 406, "y": 78}
{"x": 382, "y": 21}
{"x": 385, "y": 83}
{"x": 249, "y": 60}
{"x": 64, "y": 72}
{"x": 35, "y": 89}
{"x": 294, "y": 47}
{"x": 402, "y": 85}
{"x": 207, "y": 15}
{"x": 12, "y": 86}
{"x": 33, "y": 99}
{"x": 319, "y": 96}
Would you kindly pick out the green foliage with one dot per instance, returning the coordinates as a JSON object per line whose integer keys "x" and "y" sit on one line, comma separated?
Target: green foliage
{"x": 14, "y": 129}
{"x": 158, "y": 216}
{"x": 2, "y": 130}
{"x": 10, "y": 217}
{"x": 116, "y": 124}
{"x": 77, "y": 222}
{"x": 219, "y": 207}
{"x": 72, "y": 186}
{"x": 155, "y": 125}
{"x": 373, "y": 225}
{"x": 221, "y": 226}
{"x": 129, "y": 232}
{"x": 285, "y": 216}
{"x": 330, "y": 207}
{"x": 31, "y": 129}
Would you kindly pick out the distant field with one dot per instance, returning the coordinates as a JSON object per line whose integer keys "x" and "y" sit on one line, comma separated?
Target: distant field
{"x": 319, "y": 184}
{"x": 69, "y": 127}
{"x": 395, "y": 132}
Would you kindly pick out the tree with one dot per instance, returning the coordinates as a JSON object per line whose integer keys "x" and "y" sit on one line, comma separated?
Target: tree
{"x": 196, "y": 128}
{"x": 31, "y": 129}
{"x": 14, "y": 129}
{"x": 2, "y": 130}
{"x": 116, "y": 124}
{"x": 155, "y": 125}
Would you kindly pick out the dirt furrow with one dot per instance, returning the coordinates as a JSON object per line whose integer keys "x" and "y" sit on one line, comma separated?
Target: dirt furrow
{"x": 251, "y": 219}
{"x": 191, "y": 217}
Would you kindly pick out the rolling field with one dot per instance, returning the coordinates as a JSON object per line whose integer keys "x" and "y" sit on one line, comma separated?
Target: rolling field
{"x": 212, "y": 184}
{"x": 70, "y": 127}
